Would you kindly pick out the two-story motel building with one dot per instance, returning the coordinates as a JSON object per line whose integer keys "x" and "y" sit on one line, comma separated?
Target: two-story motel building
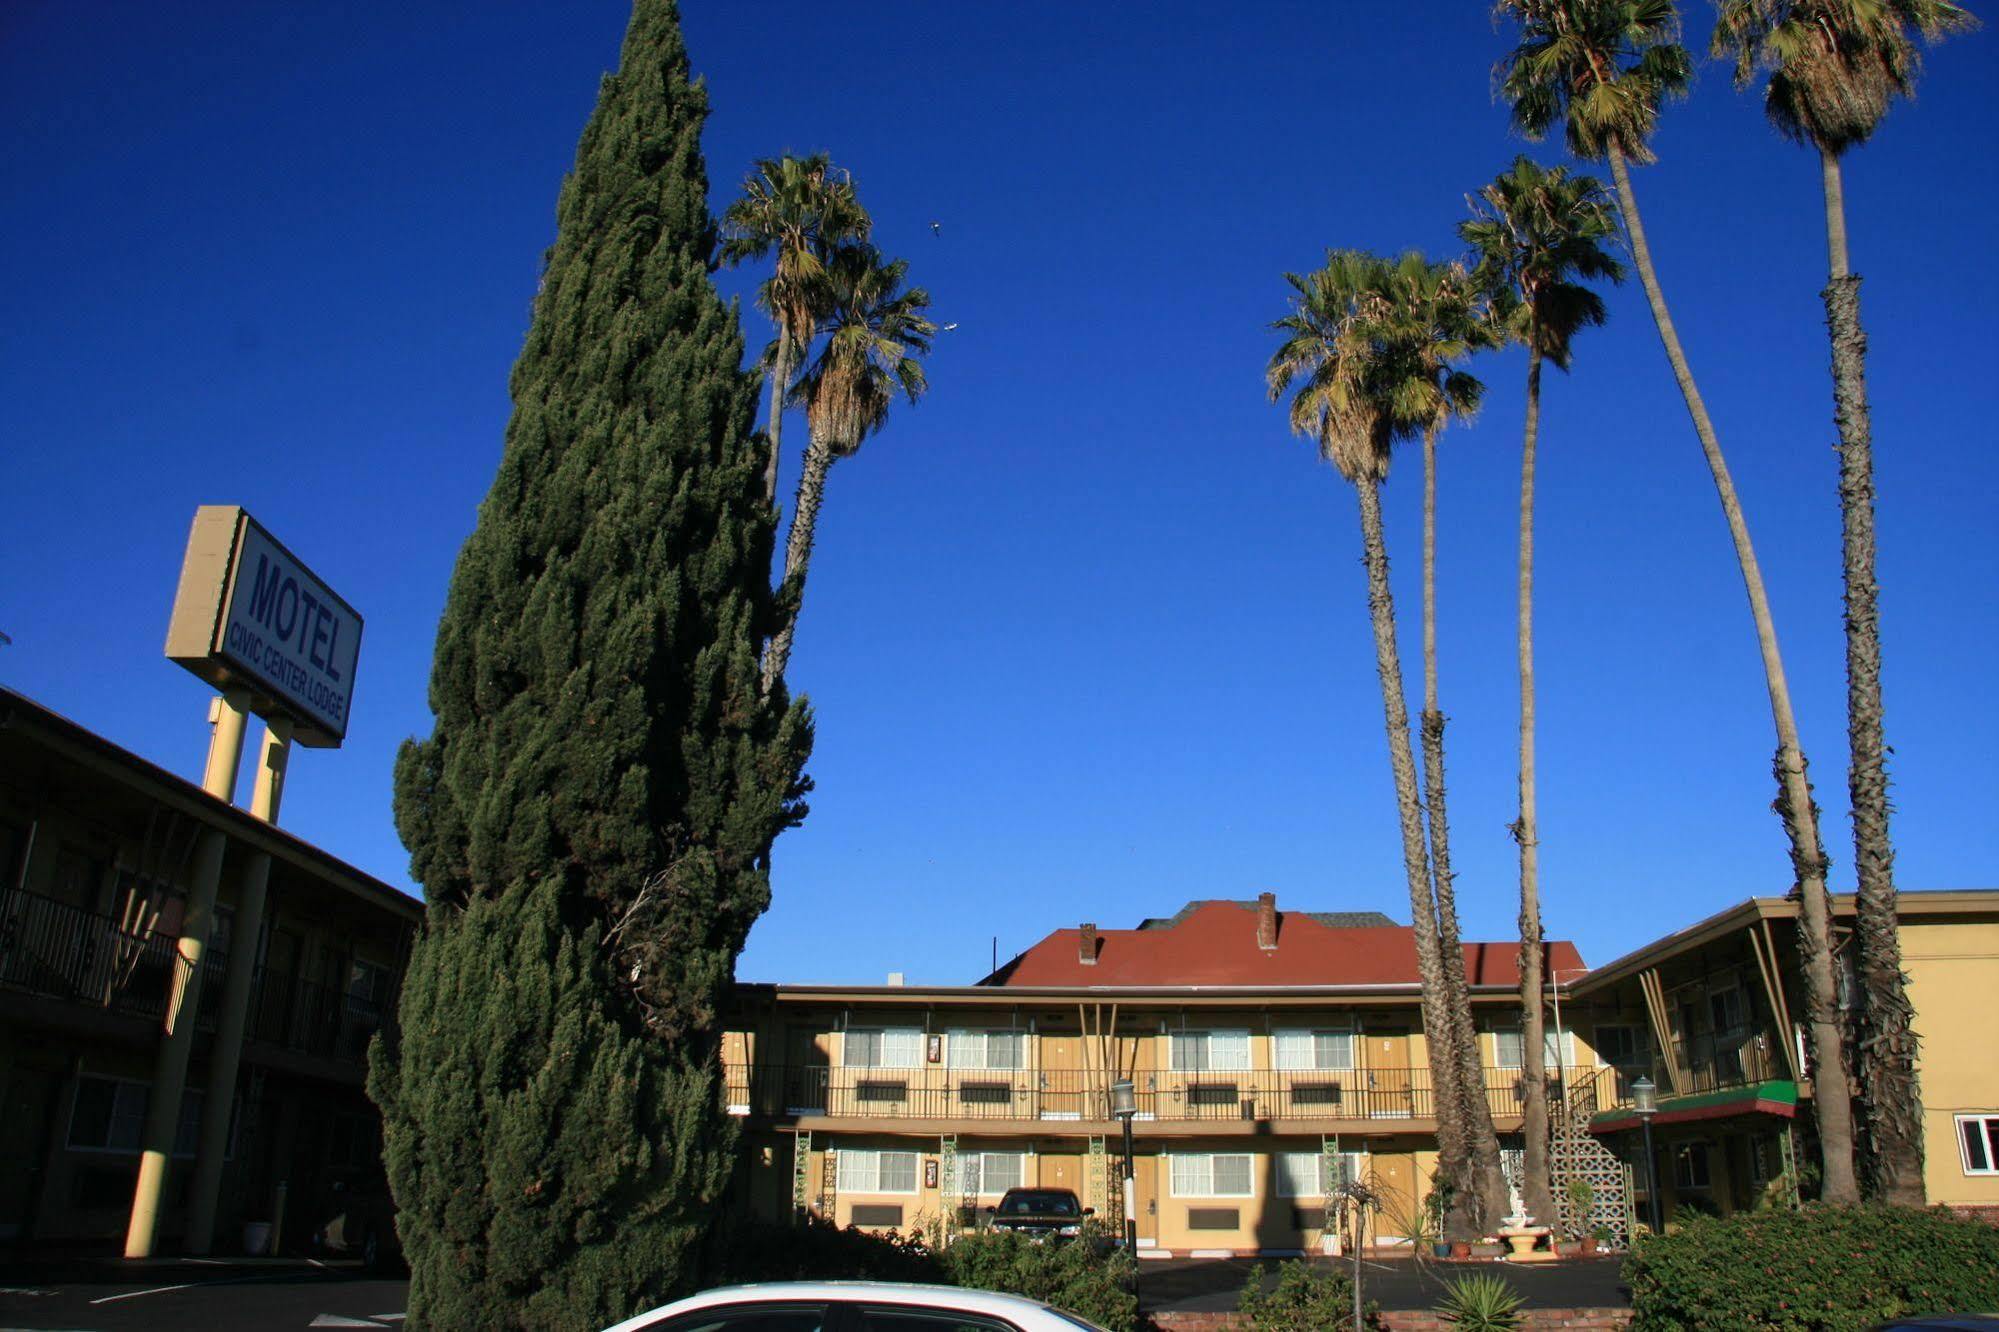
{"x": 99, "y": 853}
{"x": 1275, "y": 1052}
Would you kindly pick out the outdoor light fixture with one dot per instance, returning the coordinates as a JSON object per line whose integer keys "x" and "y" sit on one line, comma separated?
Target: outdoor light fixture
{"x": 1124, "y": 1107}
{"x": 1645, "y": 1104}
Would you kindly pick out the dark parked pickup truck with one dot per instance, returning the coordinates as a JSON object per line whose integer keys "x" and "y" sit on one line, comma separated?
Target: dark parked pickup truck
{"x": 1041, "y": 1213}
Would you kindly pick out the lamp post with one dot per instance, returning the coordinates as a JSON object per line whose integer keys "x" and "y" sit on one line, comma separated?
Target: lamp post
{"x": 1645, "y": 1104}
{"x": 1124, "y": 1106}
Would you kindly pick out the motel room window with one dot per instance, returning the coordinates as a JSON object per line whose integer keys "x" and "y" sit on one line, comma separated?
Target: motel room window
{"x": 109, "y": 1115}
{"x": 1978, "y": 1140}
{"x": 883, "y": 1047}
{"x": 1329, "y": 1050}
{"x": 1210, "y": 1051}
{"x": 1002, "y": 1050}
{"x": 1728, "y": 1011}
{"x": 1690, "y": 1167}
{"x": 1212, "y": 1175}
{"x": 864, "y": 1170}
{"x": 991, "y": 1173}
{"x": 1511, "y": 1051}
{"x": 1618, "y": 1045}
{"x": 1314, "y": 1174}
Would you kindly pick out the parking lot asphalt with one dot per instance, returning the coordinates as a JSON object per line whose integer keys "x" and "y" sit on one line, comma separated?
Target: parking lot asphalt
{"x": 1215, "y": 1284}
{"x": 107, "y": 1296}
{"x": 252, "y": 1296}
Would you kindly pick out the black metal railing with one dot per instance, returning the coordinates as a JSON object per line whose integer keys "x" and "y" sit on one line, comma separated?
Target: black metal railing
{"x": 935, "y": 1092}
{"x": 52, "y": 948}
{"x": 310, "y": 1018}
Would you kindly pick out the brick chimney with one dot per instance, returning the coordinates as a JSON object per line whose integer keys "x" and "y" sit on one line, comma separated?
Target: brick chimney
{"x": 1266, "y": 922}
{"x": 1086, "y": 947}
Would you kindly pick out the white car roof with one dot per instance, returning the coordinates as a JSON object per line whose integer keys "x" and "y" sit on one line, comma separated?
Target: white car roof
{"x": 955, "y": 1298}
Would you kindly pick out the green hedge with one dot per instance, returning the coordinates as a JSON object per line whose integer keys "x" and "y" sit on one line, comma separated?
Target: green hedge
{"x": 1818, "y": 1269}
{"x": 1310, "y": 1296}
{"x": 1086, "y": 1277}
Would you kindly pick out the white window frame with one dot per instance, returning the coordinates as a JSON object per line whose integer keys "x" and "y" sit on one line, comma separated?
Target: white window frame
{"x": 1205, "y": 1161}
{"x": 1277, "y": 1055}
{"x": 187, "y": 1132}
{"x": 1353, "y": 1163}
{"x": 970, "y": 1049}
{"x": 1206, "y": 1060}
{"x": 1551, "y": 1054}
{"x": 853, "y": 1162}
{"x": 981, "y": 1158}
{"x": 1989, "y": 1119}
{"x": 889, "y": 1057}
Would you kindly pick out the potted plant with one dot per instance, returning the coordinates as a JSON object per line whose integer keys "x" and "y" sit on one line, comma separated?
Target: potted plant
{"x": 1581, "y": 1199}
{"x": 1489, "y": 1246}
{"x": 1435, "y": 1204}
{"x": 1600, "y": 1238}
{"x": 1568, "y": 1248}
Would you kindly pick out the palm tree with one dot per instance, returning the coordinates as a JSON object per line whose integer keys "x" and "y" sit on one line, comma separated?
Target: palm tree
{"x": 875, "y": 332}
{"x": 1538, "y": 235}
{"x": 1835, "y": 66}
{"x": 1433, "y": 321}
{"x": 1335, "y": 353}
{"x": 794, "y": 207}
{"x": 1602, "y": 68}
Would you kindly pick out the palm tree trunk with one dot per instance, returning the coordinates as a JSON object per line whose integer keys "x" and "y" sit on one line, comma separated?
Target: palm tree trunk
{"x": 1402, "y": 763}
{"x": 1538, "y": 1192}
{"x": 1889, "y": 1091}
{"x": 1485, "y": 1201}
{"x": 780, "y": 381}
{"x": 1831, "y": 1090}
{"x": 797, "y": 555}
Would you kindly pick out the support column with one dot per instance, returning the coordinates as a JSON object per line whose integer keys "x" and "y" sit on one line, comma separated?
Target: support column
{"x": 220, "y": 1098}
{"x": 170, "y": 1066}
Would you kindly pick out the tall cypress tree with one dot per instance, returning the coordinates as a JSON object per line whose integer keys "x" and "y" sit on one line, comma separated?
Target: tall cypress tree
{"x": 593, "y": 814}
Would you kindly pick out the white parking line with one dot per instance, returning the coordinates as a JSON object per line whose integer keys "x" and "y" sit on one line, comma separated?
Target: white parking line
{"x": 157, "y": 1290}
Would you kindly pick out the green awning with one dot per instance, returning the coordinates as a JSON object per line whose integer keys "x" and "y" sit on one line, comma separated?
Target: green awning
{"x": 1778, "y": 1097}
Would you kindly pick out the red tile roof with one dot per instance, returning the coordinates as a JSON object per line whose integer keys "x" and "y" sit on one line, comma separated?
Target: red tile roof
{"x": 1215, "y": 944}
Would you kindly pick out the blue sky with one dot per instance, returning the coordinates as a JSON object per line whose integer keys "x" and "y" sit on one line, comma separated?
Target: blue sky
{"x": 1086, "y": 629}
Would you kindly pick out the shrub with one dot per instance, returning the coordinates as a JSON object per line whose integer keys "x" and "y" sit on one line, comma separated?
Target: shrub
{"x": 1309, "y": 1297}
{"x": 1086, "y": 1277}
{"x": 817, "y": 1250}
{"x": 1482, "y": 1303}
{"x": 1817, "y": 1269}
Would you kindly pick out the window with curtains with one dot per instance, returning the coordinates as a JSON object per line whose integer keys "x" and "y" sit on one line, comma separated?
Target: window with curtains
{"x": 991, "y": 1173}
{"x": 864, "y": 1170}
{"x": 883, "y": 1047}
{"x": 1512, "y": 1050}
{"x": 1209, "y": 1051}
{"x": 1212, "y": 1175}
{"x": 1004, "y": 1050}
{"x": 1323, "y": 1049}
{"x": 1307, "y": 1174}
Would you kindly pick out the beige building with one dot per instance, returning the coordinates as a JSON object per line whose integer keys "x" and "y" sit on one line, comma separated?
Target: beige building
{"x": 1711, "y": 1016}
{"x": 98, "y": 852}
{"x": 1272, "y": 1053}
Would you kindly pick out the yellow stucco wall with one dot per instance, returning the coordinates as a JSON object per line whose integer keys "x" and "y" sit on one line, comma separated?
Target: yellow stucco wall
{"x": 1953, "y": 970}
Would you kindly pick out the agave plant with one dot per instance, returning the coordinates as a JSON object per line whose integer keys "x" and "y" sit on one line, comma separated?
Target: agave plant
{"x": 1481, "y": 1303}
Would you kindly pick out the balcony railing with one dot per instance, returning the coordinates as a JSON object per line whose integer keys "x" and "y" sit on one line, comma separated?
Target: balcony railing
{"x": 932, "y": 1092}
{"x": 1707, "y": 1063}
{"x": 52, "y": 948}
{"x": 55, "y": 949}
{"x": 310, "y": 1018}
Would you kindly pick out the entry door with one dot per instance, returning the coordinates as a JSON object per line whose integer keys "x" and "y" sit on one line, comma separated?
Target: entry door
{"x": 805, "y": 1072}
{"x": 1390, "y": 1091}
{"x": 1061, "y": 1078}
{"x": 31, "y": 1094}
{"x": 1145, "y": 1173}
{"x": 1395, "y": 1181}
